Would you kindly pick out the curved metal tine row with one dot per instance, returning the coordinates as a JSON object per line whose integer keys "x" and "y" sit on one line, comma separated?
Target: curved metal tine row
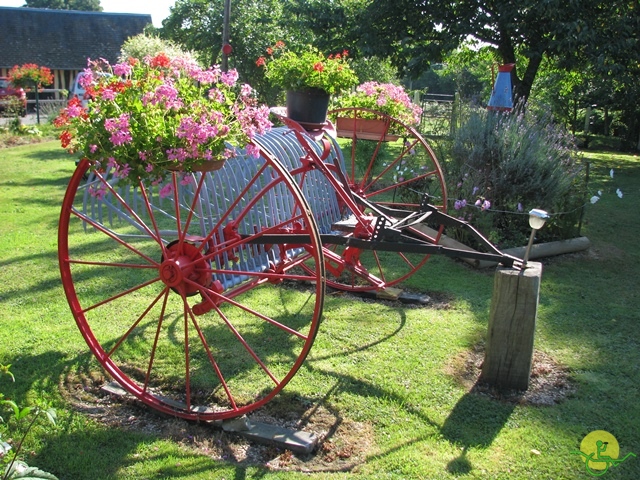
{"x": 315, "y": 186}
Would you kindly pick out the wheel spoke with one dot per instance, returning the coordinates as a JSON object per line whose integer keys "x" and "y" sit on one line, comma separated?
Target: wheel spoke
{"x": 212, "y": 296}
{"x": 112, "y": 235}
{"x": 246, "y": 346}
{"x": 234, "y": 204}
{"x": 137, "y": 322}
{"x": 121, "y": 294}
{"x": 154, "y": 346}
{"x": 212, "y": 361}
{"x": 128, "y": 208}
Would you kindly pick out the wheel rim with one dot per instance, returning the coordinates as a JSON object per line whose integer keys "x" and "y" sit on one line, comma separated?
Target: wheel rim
{"x": 178, "y": 298}
{"x": 393, "y": 172}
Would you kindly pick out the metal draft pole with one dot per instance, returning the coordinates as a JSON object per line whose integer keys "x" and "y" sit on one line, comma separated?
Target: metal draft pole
{"x": 225, "y": 35}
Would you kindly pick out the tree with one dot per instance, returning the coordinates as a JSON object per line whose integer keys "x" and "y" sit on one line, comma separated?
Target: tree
{"x": 196, "y": 25}
{"x": 329, "y": 25}
{"x": 415, "y": 33}
{"x": 145, "y": 44}
{"x": 612, "y": 50}
{"x": 82, "y": 5}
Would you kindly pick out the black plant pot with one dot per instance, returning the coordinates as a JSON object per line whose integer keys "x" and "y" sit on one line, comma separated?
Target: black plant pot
{"x": 308, "y": 107}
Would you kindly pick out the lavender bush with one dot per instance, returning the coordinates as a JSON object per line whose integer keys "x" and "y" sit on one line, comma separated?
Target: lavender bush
{"x": 501, "y": 165}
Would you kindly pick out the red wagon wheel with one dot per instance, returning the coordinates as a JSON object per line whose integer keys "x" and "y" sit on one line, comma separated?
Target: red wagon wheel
{"x": 179, "y": 299}
{"x": 392, "y": 166}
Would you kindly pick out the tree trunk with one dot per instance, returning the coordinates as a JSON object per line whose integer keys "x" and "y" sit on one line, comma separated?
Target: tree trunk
{"x": 523, "y": 86}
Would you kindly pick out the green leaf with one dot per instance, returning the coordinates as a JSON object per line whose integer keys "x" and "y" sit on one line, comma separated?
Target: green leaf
{"x": 5, "y": 369}
{"x": 23, "y": 471}
{"x": 23, "y": 413}
{"x": 51, "y": 415}
{"x": 13, "y": 405}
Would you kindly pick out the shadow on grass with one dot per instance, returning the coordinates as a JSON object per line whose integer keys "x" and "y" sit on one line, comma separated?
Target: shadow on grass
{"x": 102, "y": 452}
{"x": 473, "y": 423}
{"x": 76, "y": 449}
{"x": 58, "y": 179}
{"x": 47, "y": 151}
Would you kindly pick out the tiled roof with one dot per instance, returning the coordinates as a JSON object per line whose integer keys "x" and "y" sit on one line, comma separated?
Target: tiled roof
{"x": 63, "y": 39}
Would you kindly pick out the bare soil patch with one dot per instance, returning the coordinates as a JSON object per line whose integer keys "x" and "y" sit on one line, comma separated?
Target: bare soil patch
{"x": 342, "y": 443}
{"x": 549, "y": 383}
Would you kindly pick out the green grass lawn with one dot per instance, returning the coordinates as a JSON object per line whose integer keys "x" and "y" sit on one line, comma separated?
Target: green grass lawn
{"x": 386, "y": 376}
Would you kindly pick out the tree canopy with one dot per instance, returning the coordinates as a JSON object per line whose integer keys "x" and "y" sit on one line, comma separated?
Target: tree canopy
{"x": 415, "y": 33}
{"x": 587, "y": 50}
{"x": 82, "y": 5}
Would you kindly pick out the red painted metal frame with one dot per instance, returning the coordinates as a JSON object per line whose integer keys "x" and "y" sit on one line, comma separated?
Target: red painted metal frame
{"x": 339, "y": 260}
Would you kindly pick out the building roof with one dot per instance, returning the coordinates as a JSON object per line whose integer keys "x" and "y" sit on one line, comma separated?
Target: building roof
{"x": 64, "y": 39}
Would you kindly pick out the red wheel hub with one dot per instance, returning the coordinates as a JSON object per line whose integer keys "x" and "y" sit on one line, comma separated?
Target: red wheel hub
{"x": 185, "y": 270}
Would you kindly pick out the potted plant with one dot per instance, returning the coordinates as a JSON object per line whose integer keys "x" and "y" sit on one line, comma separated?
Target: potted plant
{"x": 148, "y": 117}
{"x": 31, "y": 75}
{"x": 307, "y": 76}
{"x": 359, "y": 112}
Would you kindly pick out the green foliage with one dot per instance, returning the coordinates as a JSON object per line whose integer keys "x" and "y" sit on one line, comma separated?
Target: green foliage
{"x": 416, "y": 34}
{"x": 14, "y": 109}
{"x": 144, "y": 44}
{"x": 331, "y": 26}
{"x": 82, "y": 5}
{"x": 614, "y": 98}
{"x": 12, "y": 468}
{"x": 471, "y": 68}
{"x": 374, "y": 69}
{"x": 307, "y": 68}
{"x": 502, "y": 165}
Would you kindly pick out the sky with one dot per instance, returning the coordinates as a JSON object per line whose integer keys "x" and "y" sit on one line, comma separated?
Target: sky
{"x": 158, "y": 9}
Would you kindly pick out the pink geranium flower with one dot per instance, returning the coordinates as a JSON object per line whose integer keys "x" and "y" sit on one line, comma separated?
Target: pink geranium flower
{"x": 158, "y": 112}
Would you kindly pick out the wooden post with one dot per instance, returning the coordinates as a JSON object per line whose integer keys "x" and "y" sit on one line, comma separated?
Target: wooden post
{"x": 512, "y": 323}
{"x": 225, "y": 34}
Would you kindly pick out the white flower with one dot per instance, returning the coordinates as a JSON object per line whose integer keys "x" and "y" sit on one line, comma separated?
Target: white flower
{"x": 599, "y": 193}
{"x": 619, "y": 193}
{"x": 611, "y": 173}
{"x": 594, "y": 199}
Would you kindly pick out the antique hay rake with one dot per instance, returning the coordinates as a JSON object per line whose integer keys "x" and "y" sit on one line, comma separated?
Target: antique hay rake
{"x": 192, "y": 302}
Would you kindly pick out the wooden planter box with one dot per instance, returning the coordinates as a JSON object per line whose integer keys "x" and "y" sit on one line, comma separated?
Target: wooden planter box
{"x": 364, "y": 129}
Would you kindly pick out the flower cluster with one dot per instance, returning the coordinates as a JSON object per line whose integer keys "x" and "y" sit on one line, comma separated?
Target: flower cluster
{"x": 386, "y": 98}
{"x": 481, "y": 203}
{"x": 471, "y": 198}
{"x": 30, "y": 74}
{"x": 149, "y": 116}
{"x": 307, "y": 69}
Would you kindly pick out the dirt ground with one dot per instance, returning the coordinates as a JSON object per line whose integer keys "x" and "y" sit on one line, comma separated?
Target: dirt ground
{"x": 342, "y": 443}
